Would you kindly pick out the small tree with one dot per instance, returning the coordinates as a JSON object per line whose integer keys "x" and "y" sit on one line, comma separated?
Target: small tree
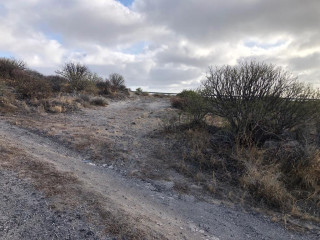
{"x": 116, "y": 80}
{"x": 78, "y": 75}
{"x": 259, "y": 99}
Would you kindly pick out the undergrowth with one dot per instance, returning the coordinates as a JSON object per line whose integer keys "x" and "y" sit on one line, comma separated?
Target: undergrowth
{"x": 253, "y": 136}
{"x": 23, "y": 89}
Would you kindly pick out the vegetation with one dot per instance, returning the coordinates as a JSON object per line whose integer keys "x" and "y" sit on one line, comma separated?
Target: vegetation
{"x": 78, "y": 75}
{"x": 140, "y": 92}
{"x": 259, "y": 101}
{"x": 260, "y": 133}
{"x": 18, "y": 83}
{"x": 192, "y": 103}
{"x": 8, "y": 66}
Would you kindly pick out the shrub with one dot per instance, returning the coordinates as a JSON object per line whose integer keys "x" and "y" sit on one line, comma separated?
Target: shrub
{"x": 29, "y": 86}
{"x": 111, "y": 86}
{"x": 78, "y": 75}
{"x": 7, "y": 67}
{"x": 58, "y": 83}
{"x": 116, "y": 80}
{"x": 178, "y": 102}
{"x": 99, "y": 102}
{"x": 259, "y": 100}
{"x": 139, "y": 91}
{"x": 104, "y": 87}
{"x": 191, "y": 102}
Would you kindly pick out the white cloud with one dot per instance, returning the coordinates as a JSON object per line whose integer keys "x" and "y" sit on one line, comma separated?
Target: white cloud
{"x": 163, "y": 45}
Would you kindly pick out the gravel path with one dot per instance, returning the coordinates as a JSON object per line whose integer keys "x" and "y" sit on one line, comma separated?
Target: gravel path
{"x": 25, "y": 214}
{"x": 161, "y": 214}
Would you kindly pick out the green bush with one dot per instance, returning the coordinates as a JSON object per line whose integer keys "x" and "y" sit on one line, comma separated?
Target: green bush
{"x": 191, "y": 102}
{"x": 139, "y": 91}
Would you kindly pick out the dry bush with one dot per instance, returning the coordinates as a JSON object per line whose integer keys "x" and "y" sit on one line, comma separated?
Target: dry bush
{"x": 30, "y": 86}
{"x": 260, "y": 101}
{"x": 98, "y": 101}
{"x": 8, "y": 66}
{"x": 112, "y": 86}
{"x": 104, "y": 87}
{"x": 116, "y": 80}
{"x": 79, "y": 77}
{"x": 58, "y": 83}
{"x": 7, "y": 100}
{"x": 177, "y": 102}
{"x": 283, "y": 176}
{"x": 57, "y": 104}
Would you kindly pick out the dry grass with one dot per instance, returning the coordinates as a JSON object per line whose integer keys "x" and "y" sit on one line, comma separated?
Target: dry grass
{"x": 285, "y": 179}
{"x": 99, "y": 101}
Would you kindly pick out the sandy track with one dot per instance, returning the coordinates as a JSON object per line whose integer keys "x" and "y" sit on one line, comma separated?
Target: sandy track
{"x": 159, "y": 214}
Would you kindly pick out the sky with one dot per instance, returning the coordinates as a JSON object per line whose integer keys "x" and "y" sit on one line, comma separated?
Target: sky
{"x": 162, "y": 45}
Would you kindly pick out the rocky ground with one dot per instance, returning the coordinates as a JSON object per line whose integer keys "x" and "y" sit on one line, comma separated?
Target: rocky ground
{"x": 101, "y": 173}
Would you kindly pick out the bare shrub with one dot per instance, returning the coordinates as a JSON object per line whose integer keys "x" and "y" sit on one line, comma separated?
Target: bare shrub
{"x": 78, "y": 75}
{"x": 112, "y": 85}
{"x": 116, "y": 80}
{"x": 259, "y": 100}
{"x": 7, "y": 67}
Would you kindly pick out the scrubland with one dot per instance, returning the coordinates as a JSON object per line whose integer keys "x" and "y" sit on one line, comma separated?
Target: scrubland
{"x": 247, "y": 138}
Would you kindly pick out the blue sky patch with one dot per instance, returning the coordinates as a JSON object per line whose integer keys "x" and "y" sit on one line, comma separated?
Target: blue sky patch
{"x": 3, "y": 11}
{"x": 136, "y": 48}
{"x": 252, "y": 44}
{"x": 54, "y": 36}
{"x": 126, "y": 3}
{"x": 50, "y": 35}
{"x": 6, "y": 54}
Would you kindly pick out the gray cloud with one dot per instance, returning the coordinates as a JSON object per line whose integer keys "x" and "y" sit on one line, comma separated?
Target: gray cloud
{"x": 181, "y": 38}
{"x": 209, "y": 21}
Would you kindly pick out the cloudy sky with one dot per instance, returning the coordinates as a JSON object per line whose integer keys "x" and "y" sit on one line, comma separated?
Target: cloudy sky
{"x": 162, "y": 45}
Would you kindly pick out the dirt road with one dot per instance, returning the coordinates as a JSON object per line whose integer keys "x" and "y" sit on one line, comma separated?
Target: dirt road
{"x": 151, "y": 207}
